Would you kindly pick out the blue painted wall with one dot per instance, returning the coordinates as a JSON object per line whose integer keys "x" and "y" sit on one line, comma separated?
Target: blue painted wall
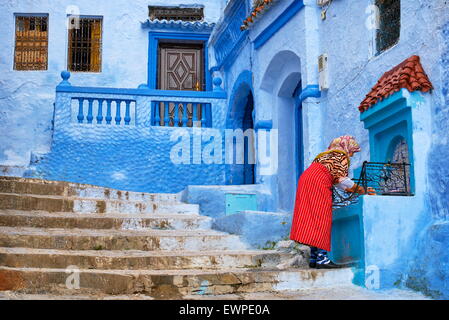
{"x": 135, "y": 159}
{"x": 398, "y": 233}
{"x": 429, "y": 272}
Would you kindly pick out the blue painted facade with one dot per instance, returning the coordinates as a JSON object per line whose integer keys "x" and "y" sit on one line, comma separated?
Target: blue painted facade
{"x": 269, "y": 76}
{"x": 383, "y": 236}
{"x": 133, "y": 156}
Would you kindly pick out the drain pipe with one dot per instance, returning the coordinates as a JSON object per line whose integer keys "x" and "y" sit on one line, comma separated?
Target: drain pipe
{"x": 311, "y": 91}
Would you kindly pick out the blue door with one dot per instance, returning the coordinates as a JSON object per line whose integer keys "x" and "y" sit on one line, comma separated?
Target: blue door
{"x": 248, "y": 123}
{"x": 243, "y": 118}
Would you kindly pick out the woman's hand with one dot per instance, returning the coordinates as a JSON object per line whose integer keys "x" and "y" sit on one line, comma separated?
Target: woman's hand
{"x": 360, "y": 190}
{"x": 356, "y": 189}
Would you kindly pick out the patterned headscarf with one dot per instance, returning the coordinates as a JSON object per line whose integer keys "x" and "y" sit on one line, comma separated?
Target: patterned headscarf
{"x": 347, "y": 144}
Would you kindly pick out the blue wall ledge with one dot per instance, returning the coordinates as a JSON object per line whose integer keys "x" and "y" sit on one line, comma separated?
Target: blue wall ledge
{"x": 143, "y": 92}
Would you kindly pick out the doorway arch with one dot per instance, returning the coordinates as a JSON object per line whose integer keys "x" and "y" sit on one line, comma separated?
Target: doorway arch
{"x": 240, "y": 118}
{"x": 282, "y": 80}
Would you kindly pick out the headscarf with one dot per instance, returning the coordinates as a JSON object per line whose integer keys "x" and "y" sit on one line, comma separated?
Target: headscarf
{"x": 347, "y": 144}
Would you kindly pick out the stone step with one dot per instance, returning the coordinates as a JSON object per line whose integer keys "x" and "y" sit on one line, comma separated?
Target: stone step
{"x": 133, "y": 259}
{"x": 28, "y": 202}
{"x": 147, "y": 240}
{"x": 76, "y": 190}
{"x": 168, "y": 284}
{"x": 350, "y": 292}
{"x": 13, "y": 295}
{"x": 42, "y": 219}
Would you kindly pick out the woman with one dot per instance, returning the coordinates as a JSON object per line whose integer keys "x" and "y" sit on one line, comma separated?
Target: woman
{"x": 312, "y": 218}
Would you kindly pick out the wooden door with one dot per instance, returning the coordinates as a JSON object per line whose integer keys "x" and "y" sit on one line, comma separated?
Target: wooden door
{"x": 180, "y": 67}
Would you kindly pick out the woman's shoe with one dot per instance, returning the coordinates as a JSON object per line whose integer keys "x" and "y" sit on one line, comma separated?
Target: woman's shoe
{"x": 323, "y": 261}
{"x": 313, "y": 257}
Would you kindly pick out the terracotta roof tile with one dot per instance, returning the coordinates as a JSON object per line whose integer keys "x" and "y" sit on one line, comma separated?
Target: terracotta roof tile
{"x": 260, "y": 6}
{"x": 409, "y": 74}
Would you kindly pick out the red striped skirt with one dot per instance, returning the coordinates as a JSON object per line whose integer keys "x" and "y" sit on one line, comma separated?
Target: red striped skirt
{"x": 312, "y": 217}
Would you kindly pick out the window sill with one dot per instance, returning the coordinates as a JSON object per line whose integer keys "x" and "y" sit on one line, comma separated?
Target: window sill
{"x": 376, "y": 55}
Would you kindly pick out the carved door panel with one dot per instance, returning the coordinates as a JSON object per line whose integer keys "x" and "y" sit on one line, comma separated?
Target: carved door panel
{"x": 180, "y": 67}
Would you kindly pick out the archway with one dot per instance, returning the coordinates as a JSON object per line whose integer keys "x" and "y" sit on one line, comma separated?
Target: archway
{"x": 282, "y": 79}
{"x": 240, "y": 120}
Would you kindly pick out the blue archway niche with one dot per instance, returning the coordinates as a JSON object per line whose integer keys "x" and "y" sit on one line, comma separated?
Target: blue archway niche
{"x": 282, "y": 81}
{"x": 240, "y": 115}
{"x": 388, "y": 122}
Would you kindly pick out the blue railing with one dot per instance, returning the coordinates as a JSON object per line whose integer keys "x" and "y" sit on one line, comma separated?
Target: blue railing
{"x": 95, "y": 110}
{"x": 181, "y": 114}
{"x": 137, "y": 107}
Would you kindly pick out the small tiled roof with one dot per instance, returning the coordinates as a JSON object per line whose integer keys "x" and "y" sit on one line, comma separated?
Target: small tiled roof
{"x": 181, "y": 25}
{"x": 409, "y": 74}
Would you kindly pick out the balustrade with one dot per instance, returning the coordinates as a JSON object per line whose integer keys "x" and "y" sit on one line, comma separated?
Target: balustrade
{"x": 181, "y": 114}
{"x": 92, "y": 108}
{"x": 135, "y": 107}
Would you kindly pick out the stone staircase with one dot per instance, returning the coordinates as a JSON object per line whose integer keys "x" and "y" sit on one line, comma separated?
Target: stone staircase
{"x": 118, "y": 243}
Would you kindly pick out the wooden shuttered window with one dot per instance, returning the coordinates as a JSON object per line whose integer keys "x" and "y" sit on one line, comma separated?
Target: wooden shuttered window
{"x": 85, "y": 43}
{"x": 31, "y": 44}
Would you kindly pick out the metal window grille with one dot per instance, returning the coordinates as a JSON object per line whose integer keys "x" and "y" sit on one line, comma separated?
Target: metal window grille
{"x": 401, "y": 155}
{"x": 31, "y": 47}
{"x": 390, "y": 24}
{"x": 85, "y": 44}
{"x": 174, "y": 13}
{"x": 386, "y": 178}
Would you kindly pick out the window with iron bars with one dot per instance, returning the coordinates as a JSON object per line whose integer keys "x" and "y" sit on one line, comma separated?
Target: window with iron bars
{"x": 384, "y": 179}
{"x": 84, "y": 53}
{"x": 389, "y": 29}
{"x": 175, "y": 13}
{"x": 31, "y": 46}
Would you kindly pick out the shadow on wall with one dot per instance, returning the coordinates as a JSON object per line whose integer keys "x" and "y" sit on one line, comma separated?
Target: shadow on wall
{"x": 430, "y": 271}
